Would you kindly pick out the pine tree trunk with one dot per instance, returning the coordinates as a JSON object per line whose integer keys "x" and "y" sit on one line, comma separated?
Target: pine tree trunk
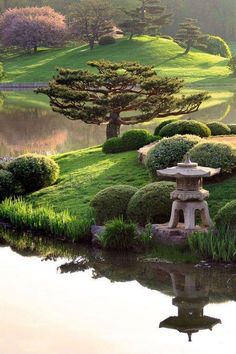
{"x": 35, "y": 49}
{"x": 113, "y": 126}
{"x": 189, "y": 44}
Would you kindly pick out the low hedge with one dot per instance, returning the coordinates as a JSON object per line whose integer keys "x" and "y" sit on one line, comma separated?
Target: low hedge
{"x": 218, "y": 128}
{"x": 112, "y": 202}
{"x": 163, "y": 124}
{"x": 215, "y": 155}
{"x": 151, "y": 204}
{"x": 34, "y": 172}
{"x": 184, "y": 127}
{"x": 131, "y": 140}
{"x": 169, "y": 151}
{"x": 6, "y": 184}
{"x": 232, "y": 127}
{"x": 226, "y": 217}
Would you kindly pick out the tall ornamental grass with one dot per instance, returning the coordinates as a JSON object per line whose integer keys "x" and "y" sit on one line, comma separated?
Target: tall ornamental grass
{"x": 218, "y": 246}
{"x": 23, "y": 216}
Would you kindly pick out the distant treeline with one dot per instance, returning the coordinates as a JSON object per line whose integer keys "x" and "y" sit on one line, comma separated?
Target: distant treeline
{"x": 215, "y": 16}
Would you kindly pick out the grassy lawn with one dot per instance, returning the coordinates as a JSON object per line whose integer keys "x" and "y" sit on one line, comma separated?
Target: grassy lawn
{"x": 86, "y": 172}
{"x": 198, "y": 68}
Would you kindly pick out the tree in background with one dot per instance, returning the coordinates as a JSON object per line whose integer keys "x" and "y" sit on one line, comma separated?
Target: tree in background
{"x": 31, "y": 27}
{"x": 118, "y": 93}
{"x": 148, "y": 18}
{"x": 188, "y": 34}
{"x": 91, "y": 19}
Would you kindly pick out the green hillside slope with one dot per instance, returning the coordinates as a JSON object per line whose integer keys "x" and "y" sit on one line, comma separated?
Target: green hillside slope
{"x": 196, "y": 67}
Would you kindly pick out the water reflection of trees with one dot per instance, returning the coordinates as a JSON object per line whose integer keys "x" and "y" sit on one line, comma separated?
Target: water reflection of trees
{"x": 42, "y": 131}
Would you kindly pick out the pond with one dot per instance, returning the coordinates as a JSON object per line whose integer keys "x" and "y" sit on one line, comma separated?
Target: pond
{"x": 27, "y": 124}
{"x": 112, "y": 304}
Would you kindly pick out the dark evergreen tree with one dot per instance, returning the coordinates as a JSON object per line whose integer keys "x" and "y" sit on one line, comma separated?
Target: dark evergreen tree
{"x": 189, "y": 34}
{"x": 118, "y": 93}
{"x": 148, "y": 18}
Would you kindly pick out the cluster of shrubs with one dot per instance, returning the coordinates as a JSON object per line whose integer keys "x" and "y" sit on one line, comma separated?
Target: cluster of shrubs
{"x": 149, "y": 204}
{"x": 27, "y": 173}
{"x": 215, "y": 45}
{"x": 169, "y": 151}
{"x": 106, "y": 40}
{"x": 172, "y": 127}
{"x": 131, "y": 140}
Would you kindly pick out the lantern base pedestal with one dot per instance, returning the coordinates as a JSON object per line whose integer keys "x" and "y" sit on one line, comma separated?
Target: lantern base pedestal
{"x": 174, "y": 237}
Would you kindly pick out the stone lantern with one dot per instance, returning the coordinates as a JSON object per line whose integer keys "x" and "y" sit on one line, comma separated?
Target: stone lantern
{"x": 189, "y": 195}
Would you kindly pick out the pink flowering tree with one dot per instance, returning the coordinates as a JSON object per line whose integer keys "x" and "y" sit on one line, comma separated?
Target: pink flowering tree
{"x": 31, "y": 27}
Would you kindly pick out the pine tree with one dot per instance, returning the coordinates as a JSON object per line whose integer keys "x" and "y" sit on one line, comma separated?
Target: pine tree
{"x": 118, "y": 93}
{"x": 146, "y": 19}
{"x": 189, "y": 33}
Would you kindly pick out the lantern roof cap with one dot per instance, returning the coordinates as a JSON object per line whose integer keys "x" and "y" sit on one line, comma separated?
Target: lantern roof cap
{"x": 188, "y": 169}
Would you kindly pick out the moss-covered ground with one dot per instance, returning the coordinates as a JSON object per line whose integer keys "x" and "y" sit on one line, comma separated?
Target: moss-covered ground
{"x": 86, "y": 172}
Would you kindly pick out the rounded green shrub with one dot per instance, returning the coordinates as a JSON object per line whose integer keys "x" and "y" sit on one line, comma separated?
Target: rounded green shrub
{"x": 169, "y": 151}
{"x": 119, "y": 235}
{"x": 106, "y": 40}
{"x": 152, "y": 203}
{"x": 34, "y": 172}
{"x": 226, "y": 217}
{"x": 163, "y": 124}
{"x": 112, "y": 202}
{"x": 218, "y": 128}
{"x": 217, "y": 46}
{"x": 232, "y": 128}
{"x": 113, "y": 146}
{"x": 135, "y": 139}
{"x": 185, "y": 127}
{"x": 215, "y": 155}
{"x": 6, "y": 184}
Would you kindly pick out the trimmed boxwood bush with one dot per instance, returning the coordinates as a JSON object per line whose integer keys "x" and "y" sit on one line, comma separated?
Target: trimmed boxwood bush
{"x": 169, "y": 151}
{"x": 131, "y": 140}
{"x": 163, "y": 124}
{"x": 119, "y": 235}
{"x": 226, "y": 216}
{"x": 6, "y": 184}
{"x": 215, "y": 155}
{"x": 217, "y": 46}
{"x": 135, "y": 139}
{"x": 34, "y": 172}
{"x": 112, "y": 202}
{"x": 151, "y": 203}
{"x": 113, "y": 146}
{"x": 218, "y": 128}
{"x": 106, "y": 40}
{"x": 232, "y": 127}
{"x": 185, "y": 127}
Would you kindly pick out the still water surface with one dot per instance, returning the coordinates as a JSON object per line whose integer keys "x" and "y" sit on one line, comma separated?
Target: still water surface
{"x": 114, "y": 306}
{"x": 28, "y": 128}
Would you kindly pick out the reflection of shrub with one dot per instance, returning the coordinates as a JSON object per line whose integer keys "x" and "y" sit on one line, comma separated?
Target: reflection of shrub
{"x": 232, "y": 127}
{"x": 185, "y": 127}
{"x": 34, "y": 172}
{"x": 151, "y": 203}
{"x": 169, "y": 151}
{"x": 218, "y": 128}
{"x": 226, "y": 216}
{"x": 106, "y": 40}
{"x": 112, "y": 202}
{"x": 119, "y": 235}
{"x": 6, "y": 184}
{"x": 163, "y": 124}
{"x": 131, "y": 140}
{"x": 215, "y": 155}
